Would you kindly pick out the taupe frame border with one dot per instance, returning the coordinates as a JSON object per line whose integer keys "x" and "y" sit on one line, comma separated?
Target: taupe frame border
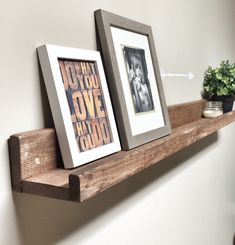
{"x": 104, "y": 21}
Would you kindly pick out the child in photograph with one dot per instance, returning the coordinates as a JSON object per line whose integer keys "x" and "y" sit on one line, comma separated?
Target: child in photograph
{"x": 141, "y": 94}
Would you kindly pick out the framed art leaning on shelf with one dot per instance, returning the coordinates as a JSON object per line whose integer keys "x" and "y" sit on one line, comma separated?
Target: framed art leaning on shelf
{"x": 134, "y": 79}
{"x": 80, "y": 103}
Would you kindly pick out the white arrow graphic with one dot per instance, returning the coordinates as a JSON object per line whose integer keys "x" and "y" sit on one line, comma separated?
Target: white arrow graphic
{"x": 189, "y": 75}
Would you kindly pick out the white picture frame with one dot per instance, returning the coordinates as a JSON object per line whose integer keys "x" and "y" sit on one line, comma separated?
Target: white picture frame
{"x": 80, "y": 103}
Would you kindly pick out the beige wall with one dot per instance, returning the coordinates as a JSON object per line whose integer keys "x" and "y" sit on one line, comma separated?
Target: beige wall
{"x": 186, "y": 199}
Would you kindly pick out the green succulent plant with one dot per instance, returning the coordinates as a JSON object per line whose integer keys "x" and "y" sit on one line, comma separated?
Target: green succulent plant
{"x": 220, "y": 80}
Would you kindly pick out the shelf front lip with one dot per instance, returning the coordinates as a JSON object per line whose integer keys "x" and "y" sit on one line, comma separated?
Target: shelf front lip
{"x": 101, "y": 175}
{"x": 95, "y": 177}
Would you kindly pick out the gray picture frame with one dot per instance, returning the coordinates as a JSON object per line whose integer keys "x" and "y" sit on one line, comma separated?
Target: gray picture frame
{"x": 104, "y": 22}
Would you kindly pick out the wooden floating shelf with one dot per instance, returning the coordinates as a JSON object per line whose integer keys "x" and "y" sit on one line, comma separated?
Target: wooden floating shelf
{"x": 36, "y": 164}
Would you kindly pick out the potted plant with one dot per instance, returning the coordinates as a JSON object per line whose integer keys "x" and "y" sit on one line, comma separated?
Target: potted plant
{"x": 219, "y": 84}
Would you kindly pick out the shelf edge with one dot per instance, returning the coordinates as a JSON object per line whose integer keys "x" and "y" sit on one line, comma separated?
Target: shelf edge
{"x": 98, "y": 176}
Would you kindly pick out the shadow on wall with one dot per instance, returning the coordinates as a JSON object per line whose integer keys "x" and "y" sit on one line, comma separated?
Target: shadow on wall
{"x": 47, "y": 114}
{"x": 48, "y": 221}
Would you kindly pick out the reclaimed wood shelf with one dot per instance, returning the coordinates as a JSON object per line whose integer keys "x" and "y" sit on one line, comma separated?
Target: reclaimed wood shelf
{"x": 36, "y": 164}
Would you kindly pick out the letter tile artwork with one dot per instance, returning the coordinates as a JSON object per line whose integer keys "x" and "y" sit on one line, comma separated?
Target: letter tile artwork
{"x": 86, "y": 102}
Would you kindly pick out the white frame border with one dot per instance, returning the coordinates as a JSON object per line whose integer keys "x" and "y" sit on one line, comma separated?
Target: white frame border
{"x": 48, "y": 57}
{"x": 142, "y": 122}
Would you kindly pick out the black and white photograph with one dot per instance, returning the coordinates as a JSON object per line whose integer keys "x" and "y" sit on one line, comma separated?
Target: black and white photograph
{"x": 138, "y": 79}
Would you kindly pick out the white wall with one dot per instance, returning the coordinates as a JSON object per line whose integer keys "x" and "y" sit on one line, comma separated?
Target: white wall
{"x": 188, "y": 198}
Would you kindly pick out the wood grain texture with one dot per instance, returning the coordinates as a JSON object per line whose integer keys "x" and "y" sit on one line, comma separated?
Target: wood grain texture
{"x": 43, "y": 189}
{"x": 100, "y": 175}
{"x": 43, "y": 177}
{"x": 185, "y": 112}
{"x": 32, "y": 153}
